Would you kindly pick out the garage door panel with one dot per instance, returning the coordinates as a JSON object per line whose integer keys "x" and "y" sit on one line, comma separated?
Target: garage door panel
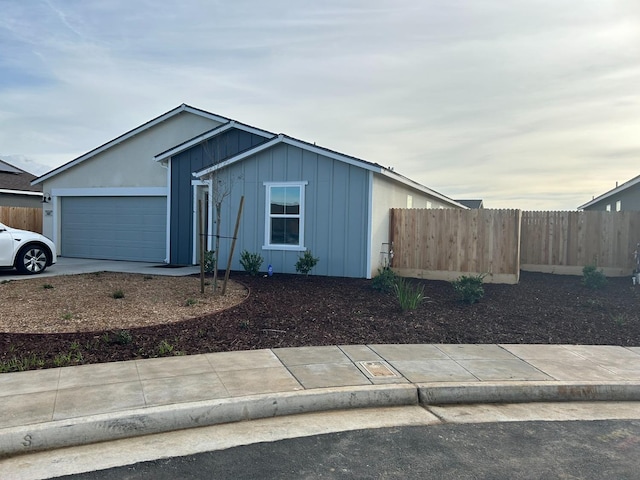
{"x": 116, "y": 228}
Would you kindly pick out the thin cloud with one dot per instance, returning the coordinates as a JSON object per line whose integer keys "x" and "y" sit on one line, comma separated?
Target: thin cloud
{"x": 520, "y": 103}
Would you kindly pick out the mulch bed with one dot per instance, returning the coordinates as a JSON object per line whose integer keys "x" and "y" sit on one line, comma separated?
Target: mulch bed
{"x": 294, "y": 311}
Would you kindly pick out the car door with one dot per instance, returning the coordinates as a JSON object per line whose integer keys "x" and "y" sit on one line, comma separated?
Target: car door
{"x": 6, "y": 247}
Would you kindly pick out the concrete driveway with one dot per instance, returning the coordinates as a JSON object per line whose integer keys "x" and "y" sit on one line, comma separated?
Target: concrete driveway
{"x": 71, "y": 266}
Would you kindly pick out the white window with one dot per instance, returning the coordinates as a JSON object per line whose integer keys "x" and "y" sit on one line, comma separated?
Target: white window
{"x": 409, "y": 201}
{"x": 608, "y": 208}
{"x": 428, "y": 204}
{"x": 284, "y": 223}
{"x": 618, "y": 205}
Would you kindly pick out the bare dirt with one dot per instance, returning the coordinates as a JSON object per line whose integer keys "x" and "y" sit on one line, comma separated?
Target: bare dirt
{"x": 158, "y": 316}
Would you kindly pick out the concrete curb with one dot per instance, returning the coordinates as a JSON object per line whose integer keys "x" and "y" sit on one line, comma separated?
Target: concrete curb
{"x": 150, "y": 420}
{"x": 145, "y": 421}
{"x": 522, "y": 392}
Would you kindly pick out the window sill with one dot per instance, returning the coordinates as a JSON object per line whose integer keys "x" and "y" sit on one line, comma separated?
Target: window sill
{"x": 291, "y": 248}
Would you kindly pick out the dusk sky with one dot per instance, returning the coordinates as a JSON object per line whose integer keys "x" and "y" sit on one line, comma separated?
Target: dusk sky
{"x": 530, "y": 104}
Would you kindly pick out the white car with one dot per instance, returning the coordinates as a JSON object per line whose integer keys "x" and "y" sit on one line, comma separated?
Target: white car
{"x": 28, "y": 252}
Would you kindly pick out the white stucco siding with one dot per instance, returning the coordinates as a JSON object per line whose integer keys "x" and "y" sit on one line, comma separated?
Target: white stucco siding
{"x": 389, "y": 194}
{"x": 128, "y": 166}
{"x": 131, "y": 163}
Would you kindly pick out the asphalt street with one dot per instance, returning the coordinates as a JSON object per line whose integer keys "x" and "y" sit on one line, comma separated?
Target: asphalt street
{"x": 512, "y": 450}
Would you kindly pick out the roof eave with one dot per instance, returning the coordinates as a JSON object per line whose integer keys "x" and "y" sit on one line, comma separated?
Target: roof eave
{"x": 238, "y": 157}
{"x": 167, "y": 154}
{"x": 125, "y": 136}
{"x": 614, "y": 191}
{"x": 20, "y": 192}
{"x": 418, "y": 186}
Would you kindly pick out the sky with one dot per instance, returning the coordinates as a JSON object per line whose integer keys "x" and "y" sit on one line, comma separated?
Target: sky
{"x": 529, "y": 104}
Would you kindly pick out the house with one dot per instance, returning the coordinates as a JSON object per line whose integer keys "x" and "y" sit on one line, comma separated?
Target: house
{"x": 16, "y": 189}
{"x": 625, "y": 197}
{"x": 136, "y": 197}
{"x": 471, "y": 203}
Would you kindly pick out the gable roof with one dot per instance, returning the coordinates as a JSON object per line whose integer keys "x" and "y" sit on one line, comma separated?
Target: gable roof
{"x": 16, "y": 181}
{"x": 614, "y": 191}
{"x": 131, "y": 133}
{"x": 210, "y": 134}
{"x": 374, "y": 167}
{"x": 471, "y": 203}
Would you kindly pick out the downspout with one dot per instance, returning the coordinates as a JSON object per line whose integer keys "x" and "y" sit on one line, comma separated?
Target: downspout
{"x": 167, "y": 260}
{"x": 369, "y": 225}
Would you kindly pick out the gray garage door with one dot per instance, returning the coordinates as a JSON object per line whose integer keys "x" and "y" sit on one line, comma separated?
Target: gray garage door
{"x": 114, "y": 228}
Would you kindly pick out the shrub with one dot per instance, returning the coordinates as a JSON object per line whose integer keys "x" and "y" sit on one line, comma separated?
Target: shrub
{"x": 593, "y": 278}
{"x": 469, "y": 288}
{"x": 385, "y": 281}
{"x": 209, "y": 261}
{"x": 118, "y": 294}
{"x": 409, "y": 295}
{"x": 306, "y": 263}
{"x": 251, "y": 262}
{"x": 123, "y": 337}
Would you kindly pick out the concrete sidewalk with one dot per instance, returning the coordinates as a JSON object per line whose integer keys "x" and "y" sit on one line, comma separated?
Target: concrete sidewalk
{"x": 54, "y": 408}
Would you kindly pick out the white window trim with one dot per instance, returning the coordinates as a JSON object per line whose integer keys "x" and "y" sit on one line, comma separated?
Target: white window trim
{"x": 267, "y": 222}
{"x": 194, "y": 186}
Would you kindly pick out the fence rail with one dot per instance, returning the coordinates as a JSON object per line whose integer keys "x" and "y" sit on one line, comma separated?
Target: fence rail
{"x": 446, "y": 243}
{"x": 22, "y": 217}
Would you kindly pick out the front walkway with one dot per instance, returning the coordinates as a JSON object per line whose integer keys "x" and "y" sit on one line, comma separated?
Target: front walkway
{"x": 73, "y": 266}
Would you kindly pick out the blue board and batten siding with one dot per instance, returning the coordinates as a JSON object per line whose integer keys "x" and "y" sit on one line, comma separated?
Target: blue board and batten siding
{"x": 182, "y": 167}
{"x": 336, "y": 206}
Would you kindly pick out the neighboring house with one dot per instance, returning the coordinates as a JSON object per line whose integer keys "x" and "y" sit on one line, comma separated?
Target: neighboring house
{"x": 136, "y": 197}
{"x": 16, "y": 189}
{"x": 625, "y": 197}
{"x": 471, "y": 203}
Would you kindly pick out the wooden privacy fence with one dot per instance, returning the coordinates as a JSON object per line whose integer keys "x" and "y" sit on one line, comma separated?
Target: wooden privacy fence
{"x": 564, "y": 242}
{"x": 442, "y": 244}
{"x": 446, "y": 243}
{"x": 22, "y": 217}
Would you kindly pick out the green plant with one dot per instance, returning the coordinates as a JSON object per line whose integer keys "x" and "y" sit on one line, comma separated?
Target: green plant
{"x": 469, "y": 288}
{"x": 385, "y": 281}
{"x": 620, "y": 319}
{"x": 306, "y": 262}
{"x": 118, "y": 294}
{"x": 409, "y": 295}
{"x": 122, "y": 337}
{"x": 251, "y": 262}
{"x": 147, "y": 277}
{"x": 67, "y": 316}
{"x": 190, "y": 302}
{"x": 165, "y": 348}
{"x": 62, "y": 359}
{"x": 21, "y": 364}
{"x": 3, "y": 282}
{"x": 209, "y": 261}
{"x": 593, "y": 278}
{"x": 47, "y": 286}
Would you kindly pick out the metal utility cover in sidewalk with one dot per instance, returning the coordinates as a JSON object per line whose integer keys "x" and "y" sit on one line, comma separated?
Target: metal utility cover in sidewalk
{"x": 378, "y": 369}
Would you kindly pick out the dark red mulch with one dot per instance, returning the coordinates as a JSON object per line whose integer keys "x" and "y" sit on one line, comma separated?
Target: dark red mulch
{"x": 293, "y": 311}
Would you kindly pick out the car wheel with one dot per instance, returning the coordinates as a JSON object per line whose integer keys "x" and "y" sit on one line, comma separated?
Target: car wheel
{"x": 31, "y": 259}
